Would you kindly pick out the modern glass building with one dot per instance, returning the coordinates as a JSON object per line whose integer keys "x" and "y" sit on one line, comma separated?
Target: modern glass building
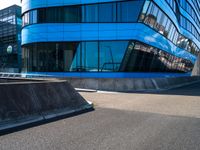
{"x": 10, "y": 39}
{"x": 110, "y": 38}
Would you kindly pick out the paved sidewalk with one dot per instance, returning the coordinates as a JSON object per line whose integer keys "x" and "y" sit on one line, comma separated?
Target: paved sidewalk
{"x": 159, "y": 103}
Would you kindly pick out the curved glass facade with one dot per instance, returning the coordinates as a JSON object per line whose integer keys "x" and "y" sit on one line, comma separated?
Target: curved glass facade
{"x": 101, "y": 56}
{"x": 109, "y": 36}
{"x": 92, "y": 13}
{"x": 158, "y": 20}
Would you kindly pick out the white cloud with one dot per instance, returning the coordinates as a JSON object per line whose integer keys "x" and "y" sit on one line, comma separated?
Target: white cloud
{"x": 7, "y": 3}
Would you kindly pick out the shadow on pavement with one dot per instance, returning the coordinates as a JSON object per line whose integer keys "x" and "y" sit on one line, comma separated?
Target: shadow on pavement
{"x": 35, "y": 124}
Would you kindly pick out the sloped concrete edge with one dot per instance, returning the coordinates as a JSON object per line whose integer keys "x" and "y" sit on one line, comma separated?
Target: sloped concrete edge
{"x": 31, "y": 102}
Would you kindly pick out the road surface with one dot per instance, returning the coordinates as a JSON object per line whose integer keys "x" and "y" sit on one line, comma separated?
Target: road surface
{"x": 167, "y": 120}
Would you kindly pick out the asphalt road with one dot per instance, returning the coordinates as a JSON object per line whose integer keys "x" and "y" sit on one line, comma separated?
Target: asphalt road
{"x": 167, "y": 120}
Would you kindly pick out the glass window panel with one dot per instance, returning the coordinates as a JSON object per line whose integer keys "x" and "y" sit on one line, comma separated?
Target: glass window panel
{"x": 107, "y": 12}
{"x": 129, "y": 11}
{"x": 26, "y": 18}
{"x": 144, "y": 11}
{"x": 34, "y": 16}
{"x": 90, "y": 56}
{"x": 30, "y": 17}
{"x": 159, "y": 27}
{"x": 72, "y": 14}
{"x": 151, "y": 17}
{"x": 51, "y": 15}
{"x": 23, "y": 20}
{"x": 164, "y": 22}
{"x": 171, "y": 32}
{"x": 41, "y": 53}
{"x": 41, "y": 15}
{"x": 159, "y": 16}
{"x": 76, "y": 63}
{"x": 60, "y": 14}
{"x": 111, "y": 55}
{"x": 67, "y": 56}
{"x": 154, "y": 10}
{"x": 91, "y": 13}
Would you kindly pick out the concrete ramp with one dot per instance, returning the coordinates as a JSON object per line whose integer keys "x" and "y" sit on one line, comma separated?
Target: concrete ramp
{"x": 25, "y": 101}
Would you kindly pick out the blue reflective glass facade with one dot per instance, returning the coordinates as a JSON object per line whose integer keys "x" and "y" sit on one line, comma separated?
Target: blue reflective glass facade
{"x": 99, "y": 37}
{"x": 10, "y": 39}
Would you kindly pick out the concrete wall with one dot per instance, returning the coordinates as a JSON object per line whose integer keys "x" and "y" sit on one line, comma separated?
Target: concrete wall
{"x": 130, "y": 84}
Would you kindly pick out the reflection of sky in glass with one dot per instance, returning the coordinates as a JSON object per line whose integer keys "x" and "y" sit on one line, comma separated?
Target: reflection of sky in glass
{"x": 7, "y": 3}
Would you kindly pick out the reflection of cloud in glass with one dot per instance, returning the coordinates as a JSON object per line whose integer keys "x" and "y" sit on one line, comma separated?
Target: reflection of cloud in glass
{"x": 153, "y": 38}
{"x": 150, "y": 38}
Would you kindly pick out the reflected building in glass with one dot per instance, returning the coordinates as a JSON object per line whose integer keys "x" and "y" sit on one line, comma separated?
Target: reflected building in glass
{"x": 10, "y": 39}
{"x": 109, "y": 38}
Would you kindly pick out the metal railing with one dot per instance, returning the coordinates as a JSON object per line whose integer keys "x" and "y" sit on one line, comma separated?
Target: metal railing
{"x": 112, "y": 66}
{"x": 22, "y": 75}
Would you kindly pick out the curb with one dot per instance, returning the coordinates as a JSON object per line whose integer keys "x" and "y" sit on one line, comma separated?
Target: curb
{"x": 31, "y": 121}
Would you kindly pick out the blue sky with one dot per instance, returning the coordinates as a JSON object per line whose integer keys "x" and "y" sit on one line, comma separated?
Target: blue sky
{"x": 6, "y": 3}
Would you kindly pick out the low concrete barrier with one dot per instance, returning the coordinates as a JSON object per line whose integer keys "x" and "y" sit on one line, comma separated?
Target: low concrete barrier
{"x": 28, "y": 101}
{"x": 131, "y": 84}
